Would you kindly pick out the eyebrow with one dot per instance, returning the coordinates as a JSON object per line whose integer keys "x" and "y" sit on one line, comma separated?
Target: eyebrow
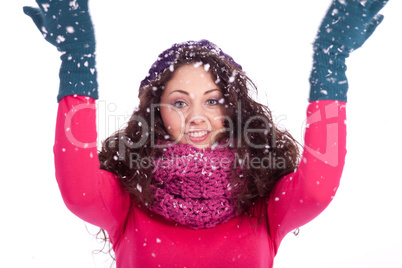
{"x": 186, "y": 93}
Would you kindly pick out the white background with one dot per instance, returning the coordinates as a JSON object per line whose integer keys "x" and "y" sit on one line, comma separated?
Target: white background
{"x": 272, "y": 40}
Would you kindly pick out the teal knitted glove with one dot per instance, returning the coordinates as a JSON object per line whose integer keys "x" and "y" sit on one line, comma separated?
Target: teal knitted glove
{"x": 68, "y": 26}
{"x": 346, "y": 26}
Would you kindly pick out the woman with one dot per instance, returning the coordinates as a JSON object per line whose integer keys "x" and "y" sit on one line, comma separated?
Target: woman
{"x": 200, "y": 176}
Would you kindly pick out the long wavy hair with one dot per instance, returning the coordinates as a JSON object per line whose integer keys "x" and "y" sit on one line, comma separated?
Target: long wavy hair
{"x": 266, "y": 142}
{"x": 277, "y": 150}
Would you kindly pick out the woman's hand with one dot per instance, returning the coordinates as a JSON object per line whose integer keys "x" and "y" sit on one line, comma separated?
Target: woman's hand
{"x": 63, "y": 23}
{"x": 68, "y": 26}
{"x": 348, "y": 24}
{"x": 345, "y": 27}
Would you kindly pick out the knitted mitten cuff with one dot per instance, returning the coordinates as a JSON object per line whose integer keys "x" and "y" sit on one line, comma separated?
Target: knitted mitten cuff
{"x": 328, "y": 79}
{"x": 78, "y": 75}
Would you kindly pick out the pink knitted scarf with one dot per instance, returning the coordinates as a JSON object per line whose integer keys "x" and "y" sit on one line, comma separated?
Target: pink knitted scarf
{"x": 194, "y": 186}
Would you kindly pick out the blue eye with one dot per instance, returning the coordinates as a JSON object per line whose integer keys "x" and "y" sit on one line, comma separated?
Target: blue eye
{"x": 212, "y": 102}
{"x": 179, "y": 104}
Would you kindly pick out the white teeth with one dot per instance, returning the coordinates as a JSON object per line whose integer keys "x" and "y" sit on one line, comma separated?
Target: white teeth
{"x": 197, "y": 134}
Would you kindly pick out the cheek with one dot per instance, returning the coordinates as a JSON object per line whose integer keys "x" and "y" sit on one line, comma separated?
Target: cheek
{"x": 218, "y": 118}
{"x": 171, "y": 120}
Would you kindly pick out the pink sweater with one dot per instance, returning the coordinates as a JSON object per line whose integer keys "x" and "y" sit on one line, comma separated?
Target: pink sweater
{"x": 144, "y": 239}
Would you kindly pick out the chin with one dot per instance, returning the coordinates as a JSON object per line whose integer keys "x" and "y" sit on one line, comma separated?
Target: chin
{"x": 202, "y": 146}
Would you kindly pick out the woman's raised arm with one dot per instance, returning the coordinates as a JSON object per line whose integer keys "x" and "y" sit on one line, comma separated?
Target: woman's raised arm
{"x": 92, "y": 194}
{"x": 301, "y": 196}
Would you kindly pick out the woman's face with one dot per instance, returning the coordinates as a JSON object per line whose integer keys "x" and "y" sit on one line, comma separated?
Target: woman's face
{"x": 191, "y": 106}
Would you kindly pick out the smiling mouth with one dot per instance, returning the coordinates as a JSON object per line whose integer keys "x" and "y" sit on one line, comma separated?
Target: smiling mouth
{"x": 197, "y": 136}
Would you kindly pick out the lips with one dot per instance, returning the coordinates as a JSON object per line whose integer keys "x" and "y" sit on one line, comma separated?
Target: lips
{"x": 197, "y": 136}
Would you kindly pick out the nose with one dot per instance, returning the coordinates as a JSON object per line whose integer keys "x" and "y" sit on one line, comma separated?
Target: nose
{"x": 197, "y": 119}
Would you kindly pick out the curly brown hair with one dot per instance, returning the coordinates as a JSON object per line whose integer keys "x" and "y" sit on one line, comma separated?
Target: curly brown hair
{"x": 265, "y": 142}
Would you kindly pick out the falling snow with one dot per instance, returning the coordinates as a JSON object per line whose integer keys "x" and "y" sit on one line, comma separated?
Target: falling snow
{"x": 46, "y": 7}
{"x": 70, "y": 29}
{"x": 60, "y": 39}
{"x": 198, "y": 64}
{"x": 74, "y": 5}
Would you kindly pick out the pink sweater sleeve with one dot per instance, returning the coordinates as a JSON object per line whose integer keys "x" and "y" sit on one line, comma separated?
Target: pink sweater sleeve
{"x": 301, "y": 196}
{"x": 92, "y": 194}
